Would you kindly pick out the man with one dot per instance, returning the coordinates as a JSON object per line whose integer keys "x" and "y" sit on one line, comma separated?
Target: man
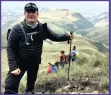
{"x": 24, "y": 49}
{"x": 73, "y": 54}
{"x": 63, "y": 59}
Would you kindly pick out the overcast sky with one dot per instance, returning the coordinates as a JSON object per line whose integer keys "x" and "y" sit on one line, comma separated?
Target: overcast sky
{"x": 77, "y": 6}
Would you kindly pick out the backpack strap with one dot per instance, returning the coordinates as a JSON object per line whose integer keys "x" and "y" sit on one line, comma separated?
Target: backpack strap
{"x": 42, "y": 26}
{"x": 23, "y": 30}
{"x": 8, "y": 33}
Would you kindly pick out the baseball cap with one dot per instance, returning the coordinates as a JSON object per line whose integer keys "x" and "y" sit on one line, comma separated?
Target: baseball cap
{"x": 30, "y": 6}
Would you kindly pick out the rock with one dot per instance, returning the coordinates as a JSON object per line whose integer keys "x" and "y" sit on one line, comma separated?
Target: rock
{"x": 67, "y": 87}
{"x": 94, "y": 82}
{"x": 87, "y": 89}
{"x": 76, "y": 86}
{"x": 74, "y": 93}
{"x": 95, "y": 92}
{"x": 79, "y": 88}
{"x": 58, "y": 90}
{"x": 87, "y": 79}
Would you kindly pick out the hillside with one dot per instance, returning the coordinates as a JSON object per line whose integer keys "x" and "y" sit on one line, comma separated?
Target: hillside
{"x": 100, "y": 20}
{"x": 97, "y": 34}
{"x": 88, "y": 55}
{"x": 62, "y": 21}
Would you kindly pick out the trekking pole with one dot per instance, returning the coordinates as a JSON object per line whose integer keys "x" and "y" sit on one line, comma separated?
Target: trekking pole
{"x": 69, "y": 42}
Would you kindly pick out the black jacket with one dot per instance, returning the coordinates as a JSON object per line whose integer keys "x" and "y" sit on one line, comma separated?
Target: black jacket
{"x": 16, "y": 51}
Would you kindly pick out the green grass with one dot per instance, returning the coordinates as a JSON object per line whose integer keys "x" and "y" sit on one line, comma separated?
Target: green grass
{"x": 83, "y": 68}
{"x": 104, "y": 82}
{"x": 91, "y": 63}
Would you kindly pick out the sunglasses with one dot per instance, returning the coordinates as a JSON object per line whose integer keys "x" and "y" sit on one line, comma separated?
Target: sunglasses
{"x": 29, "y": 5}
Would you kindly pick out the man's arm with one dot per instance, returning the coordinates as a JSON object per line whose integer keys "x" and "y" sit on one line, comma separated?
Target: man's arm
{"x": 12, "y": 48}
{"x": 55, "y": 37}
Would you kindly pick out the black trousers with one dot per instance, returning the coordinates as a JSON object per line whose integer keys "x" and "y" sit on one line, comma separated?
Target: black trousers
{"x": 12, "y": 81}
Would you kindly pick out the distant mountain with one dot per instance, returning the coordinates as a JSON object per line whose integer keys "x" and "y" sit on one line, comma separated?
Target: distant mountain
{"x": 100, "y": 20}
{"x": 62, "y": 21}
{"x": 65, "y": 19}
{"x": 8, "y": 15}
{"x": 97, "y": 34}
{"x": 59, "y": 20}
{"x": 101, "y": 16}
{"x": 102, "y": 23}
{"x": 101, "y": 31}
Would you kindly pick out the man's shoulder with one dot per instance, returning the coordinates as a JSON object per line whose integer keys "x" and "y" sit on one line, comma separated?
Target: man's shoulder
{"x": 42, "y": 24}
{"x": 16, "y": 26}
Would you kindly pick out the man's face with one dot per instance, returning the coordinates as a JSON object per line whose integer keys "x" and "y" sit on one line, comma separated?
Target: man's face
{"x": 31, "y": 15}
{"x": 62, "y": 53}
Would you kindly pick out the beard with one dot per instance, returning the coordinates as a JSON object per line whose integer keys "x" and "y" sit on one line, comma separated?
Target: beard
{"x": 31, "y": 22}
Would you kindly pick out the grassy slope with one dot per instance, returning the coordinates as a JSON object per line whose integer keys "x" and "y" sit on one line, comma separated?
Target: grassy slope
{"x": 98, "y": 34}
{"x": 51, "y": 54}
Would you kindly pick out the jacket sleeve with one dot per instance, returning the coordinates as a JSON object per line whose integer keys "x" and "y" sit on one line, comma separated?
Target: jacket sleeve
{"x": 55, "y": 37}
{"x": 12, "y": 48}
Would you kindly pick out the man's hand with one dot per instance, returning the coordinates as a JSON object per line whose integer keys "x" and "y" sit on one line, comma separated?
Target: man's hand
{"x": 71, "y": 36}
{"x": 16, "y": 72}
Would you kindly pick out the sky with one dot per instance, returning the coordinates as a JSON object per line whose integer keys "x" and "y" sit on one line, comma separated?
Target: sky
{"x": 77, "y": 6}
